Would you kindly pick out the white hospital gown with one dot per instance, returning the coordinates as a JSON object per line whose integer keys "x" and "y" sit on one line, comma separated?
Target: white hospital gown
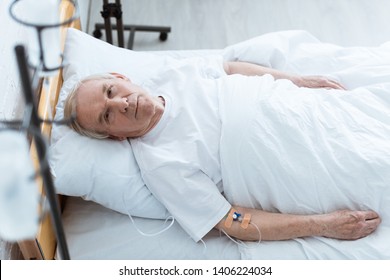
{"x": 179, "y": 158}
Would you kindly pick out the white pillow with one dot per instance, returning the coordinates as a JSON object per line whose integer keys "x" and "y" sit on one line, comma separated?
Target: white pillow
{"x": 104, "y": 171}
{"x": 85, "y": 55}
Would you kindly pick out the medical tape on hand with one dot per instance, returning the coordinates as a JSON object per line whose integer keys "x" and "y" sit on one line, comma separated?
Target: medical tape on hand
{"x": 235, "y": 216}
{"x": 245, "y": 221}
{"x": 229, "y": 218}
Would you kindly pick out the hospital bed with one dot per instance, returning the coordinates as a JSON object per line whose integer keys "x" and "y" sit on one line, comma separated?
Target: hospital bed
{"x": 97, "y": 226}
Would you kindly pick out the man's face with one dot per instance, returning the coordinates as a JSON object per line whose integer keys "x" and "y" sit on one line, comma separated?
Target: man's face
{"x": 117, "y": 107}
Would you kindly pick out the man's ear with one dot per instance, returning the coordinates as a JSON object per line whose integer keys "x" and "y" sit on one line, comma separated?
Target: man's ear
{"x": 117, "y": 138}
{"x": 119, "y": 76}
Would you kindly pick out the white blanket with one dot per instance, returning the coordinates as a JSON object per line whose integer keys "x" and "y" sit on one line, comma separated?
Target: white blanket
{"x": 297, "y": 150}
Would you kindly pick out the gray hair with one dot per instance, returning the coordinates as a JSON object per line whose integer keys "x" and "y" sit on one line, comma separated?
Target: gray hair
{"x": 70, "y": 107}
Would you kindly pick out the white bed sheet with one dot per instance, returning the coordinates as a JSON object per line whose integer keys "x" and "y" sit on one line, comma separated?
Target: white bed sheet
{"x": 94, "y": 232}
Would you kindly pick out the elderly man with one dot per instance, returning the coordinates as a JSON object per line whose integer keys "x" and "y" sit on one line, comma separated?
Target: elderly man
{"x": 176, "y": 137}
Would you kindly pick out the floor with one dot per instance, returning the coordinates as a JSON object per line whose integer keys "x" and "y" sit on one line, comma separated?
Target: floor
{"x": 209, "y": 24}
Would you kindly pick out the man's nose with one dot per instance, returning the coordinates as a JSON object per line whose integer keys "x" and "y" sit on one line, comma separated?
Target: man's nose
{"x": 118, "y": 103}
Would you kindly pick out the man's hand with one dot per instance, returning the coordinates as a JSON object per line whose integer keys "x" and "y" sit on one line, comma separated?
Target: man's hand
{"x": 250, "y": 69}
{"x": 350, "y": 225}
{"x": 316, "y": 82}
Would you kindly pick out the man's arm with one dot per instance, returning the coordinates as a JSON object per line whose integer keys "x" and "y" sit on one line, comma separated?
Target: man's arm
{"x": 250, "y": 69}
{"x": 344, "y": 224}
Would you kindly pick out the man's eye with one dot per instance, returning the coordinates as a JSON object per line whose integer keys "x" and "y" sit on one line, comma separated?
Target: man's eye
{"x": 109, "y": 91}
{"x": 107, "y": 116}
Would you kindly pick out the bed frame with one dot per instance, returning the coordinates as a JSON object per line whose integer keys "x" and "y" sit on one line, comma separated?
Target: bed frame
{"x": 44, "y": 245}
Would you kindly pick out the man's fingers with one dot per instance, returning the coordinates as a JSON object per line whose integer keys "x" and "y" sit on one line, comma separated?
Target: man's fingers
{"x": 371, "y": 222}
{"x": 369, "y": 215}
{"x": 335, "y": 85}
{"x": 329, "y": 84}
{"x": 372, "y": 225}
{"x": 338, "y": 86}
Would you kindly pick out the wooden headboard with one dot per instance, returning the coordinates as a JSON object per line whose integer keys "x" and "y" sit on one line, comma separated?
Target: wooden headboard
{"x": 44, "y": 245}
